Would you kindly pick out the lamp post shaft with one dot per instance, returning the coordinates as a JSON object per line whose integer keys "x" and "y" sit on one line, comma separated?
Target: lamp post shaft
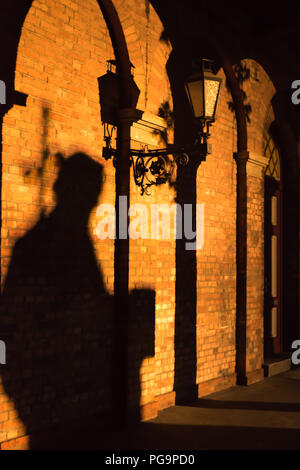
{"x": 241, "y": 157}
{"x": 121, "y": 305}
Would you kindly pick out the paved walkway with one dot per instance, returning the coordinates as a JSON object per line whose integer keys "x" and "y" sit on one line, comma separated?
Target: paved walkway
{"x": 265, "y": 415}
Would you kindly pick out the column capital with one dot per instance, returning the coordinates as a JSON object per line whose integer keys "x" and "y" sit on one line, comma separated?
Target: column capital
{"x": 241, "y": 156}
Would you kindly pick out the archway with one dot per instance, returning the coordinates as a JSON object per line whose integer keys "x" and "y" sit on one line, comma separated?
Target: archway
{"x": 273, "y": 311}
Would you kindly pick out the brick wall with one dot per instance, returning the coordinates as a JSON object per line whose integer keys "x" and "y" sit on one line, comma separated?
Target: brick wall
{"x": 57, "y": 295}
{"x": 260, "y": 91}
{"x": 216, "y": 186}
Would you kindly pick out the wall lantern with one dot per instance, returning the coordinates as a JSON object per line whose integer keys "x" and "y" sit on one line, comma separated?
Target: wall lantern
{"x": 203, "y": 91}
{"x": 155, "y": 167}
{"x": 109, "y": 91}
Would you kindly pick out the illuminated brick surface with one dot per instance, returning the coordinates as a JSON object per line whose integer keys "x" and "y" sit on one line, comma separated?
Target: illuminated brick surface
{"x": 63, "y": 48}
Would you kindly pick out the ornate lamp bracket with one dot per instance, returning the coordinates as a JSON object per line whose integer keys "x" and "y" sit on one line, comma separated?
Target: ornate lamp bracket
{"x": 156, "y": 167}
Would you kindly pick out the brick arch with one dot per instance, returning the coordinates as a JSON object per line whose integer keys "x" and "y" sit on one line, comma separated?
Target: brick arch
{"x": 281, "y": 130}
{"x": 54, "y": 78}
{"x": 131, "y": 14}
{"x": 268, "y": 111}
{"x": 59, "y": 58}
{"x": 147, "y": 53}
{"x": 270, "y": 116}
{"x": 57, "y": 71}
{"x": 260, "y": 91}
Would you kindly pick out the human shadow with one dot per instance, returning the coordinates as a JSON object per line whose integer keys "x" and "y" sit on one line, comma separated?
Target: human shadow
{"x": 56, "y": 316}
{"x": 59, "y": 324}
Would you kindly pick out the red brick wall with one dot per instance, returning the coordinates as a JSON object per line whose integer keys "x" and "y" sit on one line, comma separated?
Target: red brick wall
{"x": 63, "y": 49}
{"x": 216, "y": 262}
{"x": 260, "y": 91}
{"x": 216, "y": 186}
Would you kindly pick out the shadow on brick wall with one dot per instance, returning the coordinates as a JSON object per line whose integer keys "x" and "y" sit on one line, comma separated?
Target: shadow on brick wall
{"x": 186, "y": 261}
{"x": 141, "y": 334}
{"x": 57, "y": 313}
{"x": 57, "y": 318}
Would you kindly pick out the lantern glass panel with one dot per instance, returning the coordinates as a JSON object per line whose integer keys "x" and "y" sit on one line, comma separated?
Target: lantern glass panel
{"x": 211, "y": 90}
{"x": 195, "y": 93}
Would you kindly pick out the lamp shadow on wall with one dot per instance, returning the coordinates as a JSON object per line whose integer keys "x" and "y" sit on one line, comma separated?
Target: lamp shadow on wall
{"x": 186, "y": 261}
{"x": 57, "y": 319}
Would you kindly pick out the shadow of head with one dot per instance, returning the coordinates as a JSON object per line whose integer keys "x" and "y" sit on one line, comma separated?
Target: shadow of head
{"x": 79, "y": 183}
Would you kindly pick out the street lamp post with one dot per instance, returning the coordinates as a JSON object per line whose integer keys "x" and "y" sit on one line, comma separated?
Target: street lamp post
{"x": 154, "y": 167}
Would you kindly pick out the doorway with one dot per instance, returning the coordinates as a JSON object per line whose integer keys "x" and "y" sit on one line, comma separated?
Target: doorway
{"x": 273, "y": 312}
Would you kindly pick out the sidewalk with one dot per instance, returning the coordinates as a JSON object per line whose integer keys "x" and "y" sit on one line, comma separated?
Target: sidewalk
{"x": 265, "y": 415}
